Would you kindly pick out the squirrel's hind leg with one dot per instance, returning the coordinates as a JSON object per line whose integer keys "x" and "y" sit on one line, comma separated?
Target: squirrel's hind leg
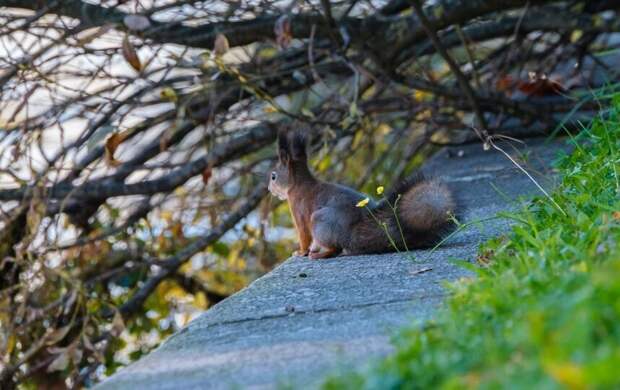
{"x": 320, "y": 252}
{"x": 326, "y": 240}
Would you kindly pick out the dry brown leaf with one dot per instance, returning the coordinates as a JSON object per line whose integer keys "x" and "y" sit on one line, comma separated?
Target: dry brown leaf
{"x": 165, "y": 138}
{"x": 206, "y": 175}
{"x": 177, "y": 232}
{"x": 485, "y": 257}
{"x": 92, "y": 34}
{"x": 130, "y": 55}
{"x": 111, "y": 144}
{"x": 536, "y": 85}
{"x": 118, "y": 325}
{"x": 221, "y": 45}
{"x": 57, "y": 335}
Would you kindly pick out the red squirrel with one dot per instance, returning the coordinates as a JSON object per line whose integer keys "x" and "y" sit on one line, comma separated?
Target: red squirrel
{"x": 329, "y": 221}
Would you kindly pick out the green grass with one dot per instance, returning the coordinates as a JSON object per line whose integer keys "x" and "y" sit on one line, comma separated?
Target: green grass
{"x": 544, "y": 313}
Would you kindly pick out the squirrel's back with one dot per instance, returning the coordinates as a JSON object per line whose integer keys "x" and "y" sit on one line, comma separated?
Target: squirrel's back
{"x": 416, "y": 214}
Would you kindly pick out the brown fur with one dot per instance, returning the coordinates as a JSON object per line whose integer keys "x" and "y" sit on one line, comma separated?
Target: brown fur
{"x": 328, "y": 222}
{"x": 301, "y": 204}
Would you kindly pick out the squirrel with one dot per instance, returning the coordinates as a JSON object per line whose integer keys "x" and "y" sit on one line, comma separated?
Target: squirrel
{"x": 328, "y": 217}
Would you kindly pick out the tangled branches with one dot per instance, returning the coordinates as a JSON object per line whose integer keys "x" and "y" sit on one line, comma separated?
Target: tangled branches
{"x": 135, "y": 138}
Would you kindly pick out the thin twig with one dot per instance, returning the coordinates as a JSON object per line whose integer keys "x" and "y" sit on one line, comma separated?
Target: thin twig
{"x": 490, "y": 142}
{"x": 462, "y": 80}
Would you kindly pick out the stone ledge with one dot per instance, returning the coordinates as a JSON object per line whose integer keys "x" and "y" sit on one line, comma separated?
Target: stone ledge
{"x": 287, "y": 329}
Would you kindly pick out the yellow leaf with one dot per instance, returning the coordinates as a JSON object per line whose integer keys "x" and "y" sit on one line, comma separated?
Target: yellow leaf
{"x": 421, "y": 96}
{"x": 270, "y": 109}
{"x": 307, "y": 112}
{"x": 168, "y": 94}
{"x": 357, "y": 139}
{"x": 166, "y": 215}
{"x": 266, "y": 53}
{"x": 384, "y": 129}
{"x": 10, "y": 344}
{"x": 324, "y": 164}
{"x": 180, "y": 191}
{"x": 200, "y": 300}
{"x": 175, "y": 292}
{"x": 568, "y": 374}
{"x": 130, "y": 55}
{"x": 379, "y": 190}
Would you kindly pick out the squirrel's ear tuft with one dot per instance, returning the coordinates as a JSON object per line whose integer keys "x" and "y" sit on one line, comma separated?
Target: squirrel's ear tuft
{"x": 284, "y": 154}
{"x": 292, "y": 140}
{"x": 298, "y": 145}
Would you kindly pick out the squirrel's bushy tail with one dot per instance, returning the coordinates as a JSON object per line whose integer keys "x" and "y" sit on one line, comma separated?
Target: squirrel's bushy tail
{"x": 423, "y": 207}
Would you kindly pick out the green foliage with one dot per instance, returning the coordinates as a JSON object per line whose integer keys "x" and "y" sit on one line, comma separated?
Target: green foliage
{"x": 544, "y": 309}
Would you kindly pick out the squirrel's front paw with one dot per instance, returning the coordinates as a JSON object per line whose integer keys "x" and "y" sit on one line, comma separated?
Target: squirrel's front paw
{"x": 301, "y": 253}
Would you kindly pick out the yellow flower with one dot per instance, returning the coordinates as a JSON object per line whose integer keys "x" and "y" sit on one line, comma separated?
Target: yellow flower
{"x": 362, "y": 203}
{"x": 379, "y": 190}
{"x": 168, "y": 94}
{"x": 269, "y": 109}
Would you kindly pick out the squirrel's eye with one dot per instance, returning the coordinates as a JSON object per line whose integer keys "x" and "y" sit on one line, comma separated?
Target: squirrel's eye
{"x": 273, "y": 176}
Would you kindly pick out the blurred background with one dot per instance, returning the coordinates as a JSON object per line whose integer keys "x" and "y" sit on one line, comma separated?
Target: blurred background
{"x": 136, "y": 137}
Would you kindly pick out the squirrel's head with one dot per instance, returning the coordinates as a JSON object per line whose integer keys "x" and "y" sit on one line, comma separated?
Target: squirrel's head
{"x": 292, "y": 162}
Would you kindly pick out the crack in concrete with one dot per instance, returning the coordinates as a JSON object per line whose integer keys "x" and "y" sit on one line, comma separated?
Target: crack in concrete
{"x": 311, "y": 311}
